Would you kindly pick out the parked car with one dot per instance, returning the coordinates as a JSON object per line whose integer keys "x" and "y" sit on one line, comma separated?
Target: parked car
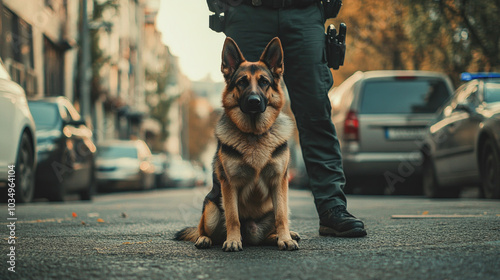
{"x": 380, "y": 116}
{"x": 66, "y": 151}
{"x": 462, "y": 146}
{"x": 180, "y": 174}
{"x": 125, "y": 164}
{"x": 160, "y": 163}
{"x": 201, "y": 178}
{"x": 17, "y": 143}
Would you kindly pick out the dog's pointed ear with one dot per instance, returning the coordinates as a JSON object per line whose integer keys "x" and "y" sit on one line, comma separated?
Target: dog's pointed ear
{"x": 231, "y": 58}
{"x": 273, "y": 56}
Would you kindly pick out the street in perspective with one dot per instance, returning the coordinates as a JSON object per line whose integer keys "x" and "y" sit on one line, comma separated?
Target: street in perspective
{"x": 138, "y": 142}
{"x": 129, "y": 235}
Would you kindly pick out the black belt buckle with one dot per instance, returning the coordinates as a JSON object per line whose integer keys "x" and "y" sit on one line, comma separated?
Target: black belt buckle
{"x": 274, "y": 4}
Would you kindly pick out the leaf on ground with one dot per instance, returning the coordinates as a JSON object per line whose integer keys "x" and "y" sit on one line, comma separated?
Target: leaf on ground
{"x": 100, "y": 220}
{"x": 74, "y": 215}
{"x": 425, "y": 213}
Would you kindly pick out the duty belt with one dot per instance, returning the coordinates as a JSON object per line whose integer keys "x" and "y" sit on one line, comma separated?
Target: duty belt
{"x": 275, "y": 4}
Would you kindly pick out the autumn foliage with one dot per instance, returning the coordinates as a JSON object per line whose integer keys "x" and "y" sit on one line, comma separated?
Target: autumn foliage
{"x": 451, "y": 36}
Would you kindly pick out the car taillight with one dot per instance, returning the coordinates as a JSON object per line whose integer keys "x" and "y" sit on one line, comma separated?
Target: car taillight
{"x": 405, "y": 77}
{"x": 351, "y": 126}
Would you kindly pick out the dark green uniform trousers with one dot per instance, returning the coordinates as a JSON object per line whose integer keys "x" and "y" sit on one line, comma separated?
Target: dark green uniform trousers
{"x": 307, "y": 78}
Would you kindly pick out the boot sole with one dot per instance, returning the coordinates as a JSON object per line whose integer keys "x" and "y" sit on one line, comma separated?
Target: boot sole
{"x": 355, "y": 232}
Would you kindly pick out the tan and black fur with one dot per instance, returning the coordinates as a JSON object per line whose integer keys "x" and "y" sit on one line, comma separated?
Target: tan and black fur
{"x": 252, "y": 158}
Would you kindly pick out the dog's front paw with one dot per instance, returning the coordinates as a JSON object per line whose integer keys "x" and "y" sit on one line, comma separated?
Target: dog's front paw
{"x": 203, "y": 242}
{"x": 232, "y": 246}
{"x": 289, "y": 245}
{"x": 295, "y": 236}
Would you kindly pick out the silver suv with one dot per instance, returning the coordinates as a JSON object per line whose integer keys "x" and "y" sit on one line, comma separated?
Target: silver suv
{"x": 380, "y": 117}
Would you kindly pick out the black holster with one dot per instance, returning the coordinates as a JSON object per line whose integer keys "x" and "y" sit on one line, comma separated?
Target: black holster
{"x": 335, "y": 45}
{"x": 331, "y": 8}
{"x": 217, "y": 20}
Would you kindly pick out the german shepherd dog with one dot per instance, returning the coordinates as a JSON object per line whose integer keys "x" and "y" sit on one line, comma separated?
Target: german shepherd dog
{"x": 251, "y": 162}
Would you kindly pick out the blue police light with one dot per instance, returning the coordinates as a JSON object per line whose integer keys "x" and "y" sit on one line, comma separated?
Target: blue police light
{"x": 483, "y": 75}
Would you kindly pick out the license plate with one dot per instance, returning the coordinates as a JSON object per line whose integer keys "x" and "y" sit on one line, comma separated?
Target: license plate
{"x": 404, "y": 133}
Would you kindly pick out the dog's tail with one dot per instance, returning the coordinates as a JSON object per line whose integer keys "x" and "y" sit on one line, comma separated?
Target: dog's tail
{"x": 187, "y": 234}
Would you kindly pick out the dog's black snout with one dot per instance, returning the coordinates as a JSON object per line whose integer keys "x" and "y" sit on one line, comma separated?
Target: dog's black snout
{"x": 253, "y": 103}
{"x": 254, "y": 100}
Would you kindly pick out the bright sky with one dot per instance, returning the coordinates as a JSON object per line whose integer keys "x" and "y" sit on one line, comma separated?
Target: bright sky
{"x": 184, "y": 24}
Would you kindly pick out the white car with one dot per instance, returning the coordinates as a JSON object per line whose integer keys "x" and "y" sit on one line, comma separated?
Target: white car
{"x": 17, "y": 143}
{"x": 180, "y": 173}
{"x": 124, "y": 164}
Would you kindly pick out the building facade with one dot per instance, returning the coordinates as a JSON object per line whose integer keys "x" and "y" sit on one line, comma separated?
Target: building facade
{"x": 127, "y": 72}
{"x": 38, "y": 45}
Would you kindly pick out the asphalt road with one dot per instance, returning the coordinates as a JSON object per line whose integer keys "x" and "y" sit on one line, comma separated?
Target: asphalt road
{"x": 129, "y": 236}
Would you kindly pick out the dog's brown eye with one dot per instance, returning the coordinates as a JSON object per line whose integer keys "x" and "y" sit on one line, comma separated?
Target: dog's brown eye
{"x": 263, "y": 82}
{"x": 242, "y": 83}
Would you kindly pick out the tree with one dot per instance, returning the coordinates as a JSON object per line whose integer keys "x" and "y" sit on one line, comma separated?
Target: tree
{"x": 377, "y": 37}
{"x": 99, "y": 59}
{"x": 201, "y": 124}
{"x": 456, "y": 35}
{"x": 159, "y": 101}
{"x": 451, "y": 36}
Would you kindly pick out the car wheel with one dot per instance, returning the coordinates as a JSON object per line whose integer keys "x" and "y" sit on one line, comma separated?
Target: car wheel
{"x": 25, "y": 171}
{"x": 143, "y": 182}
{"x": 90, "y": 190}
{"x": 58, "y": 192}
{"x": 429, "y": 182}
{"x": 489, "y": 165}
{"x": 409, "y": 187}
{"x": 147, "y": 182}
{"x": 152, "y": 184}
{"x": 366, "y": 185}
{"x": 431, "y": 186}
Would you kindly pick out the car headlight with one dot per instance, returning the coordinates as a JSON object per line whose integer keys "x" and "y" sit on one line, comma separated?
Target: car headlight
{"x": 47, "y": 140}
{"x": 46, "y": 146}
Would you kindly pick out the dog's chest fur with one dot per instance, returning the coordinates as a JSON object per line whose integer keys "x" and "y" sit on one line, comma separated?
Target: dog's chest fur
{"x": 248, "y": 157}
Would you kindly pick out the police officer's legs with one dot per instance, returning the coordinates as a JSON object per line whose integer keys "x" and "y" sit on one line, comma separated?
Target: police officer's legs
{"x": 252, "y": 28}
{"x": 308, "y": 80}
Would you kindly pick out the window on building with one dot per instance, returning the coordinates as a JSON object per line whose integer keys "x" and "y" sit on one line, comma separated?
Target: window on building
{"x": 17, "y": 49}
{"x": 53, "y": 68}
